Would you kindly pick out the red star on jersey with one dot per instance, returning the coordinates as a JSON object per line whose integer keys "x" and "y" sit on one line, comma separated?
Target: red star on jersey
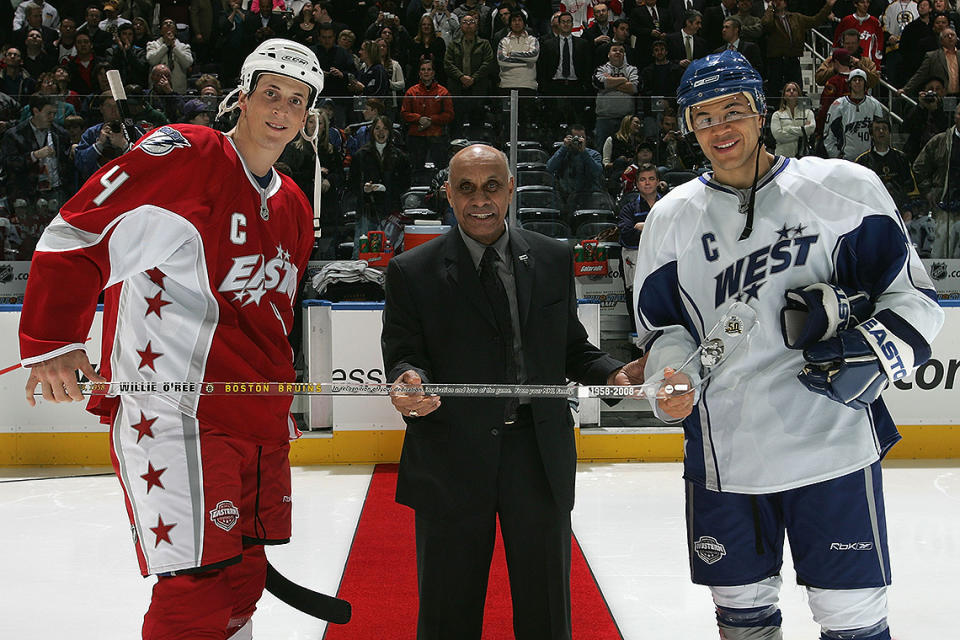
{"x": 162, "y": 531}
{"x": 156, "y": 276}
{"x": 152, "y": 476}
{"x": 147, "y": 356}
{"x": 156, "y": 303}
{"x": 144, "y": 427}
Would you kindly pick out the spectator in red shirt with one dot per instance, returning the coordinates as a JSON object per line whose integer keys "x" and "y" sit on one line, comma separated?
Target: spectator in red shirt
{"x": 427, "y": 107}
{"x": 869, "y": 28}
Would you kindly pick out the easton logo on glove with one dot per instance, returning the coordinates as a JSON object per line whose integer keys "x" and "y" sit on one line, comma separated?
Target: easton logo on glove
{"x": 886, "y": 346}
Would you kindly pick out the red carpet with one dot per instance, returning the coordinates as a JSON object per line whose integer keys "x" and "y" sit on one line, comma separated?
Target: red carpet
{"x": 380, "y": 579}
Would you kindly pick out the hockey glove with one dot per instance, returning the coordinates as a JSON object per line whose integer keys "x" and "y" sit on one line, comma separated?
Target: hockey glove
{"x": 820, "y": 311}
{"x": 856, "y": 365}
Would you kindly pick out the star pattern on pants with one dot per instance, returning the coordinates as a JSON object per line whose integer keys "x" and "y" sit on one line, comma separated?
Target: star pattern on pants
{"x": 147, "y": 356}
{"x": 156, "y": 276}
{"x": 143, "y": 427}
{"x": 162, "y": 531}
{"x": 155, "y": 304}
{"x": 152, "y": 476}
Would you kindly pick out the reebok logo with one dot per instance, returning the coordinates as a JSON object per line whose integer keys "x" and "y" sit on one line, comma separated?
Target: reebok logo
{"x": 851, "y": 546}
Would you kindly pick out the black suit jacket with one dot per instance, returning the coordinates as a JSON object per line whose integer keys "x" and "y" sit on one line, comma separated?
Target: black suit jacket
{"x": 437, "y": 321}
{"x": 549, "y": 60}
{"x": 750, "y": 50}
{"x": 678, "y": 9}
{"x": 676, "y": 50}
{"x": 641, "y": 26}
{"x": 713, "y": 26}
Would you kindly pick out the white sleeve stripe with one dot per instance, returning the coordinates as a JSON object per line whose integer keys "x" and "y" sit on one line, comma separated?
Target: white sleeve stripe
{"x": 29, "y": 362}
{"x": 63, "y": 236}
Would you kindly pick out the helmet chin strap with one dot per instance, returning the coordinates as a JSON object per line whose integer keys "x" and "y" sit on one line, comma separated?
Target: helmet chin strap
{"x": 748, "y": 225}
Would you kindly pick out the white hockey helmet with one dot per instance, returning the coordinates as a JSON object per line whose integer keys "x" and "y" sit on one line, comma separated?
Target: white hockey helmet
{"x": 283, "y": 58}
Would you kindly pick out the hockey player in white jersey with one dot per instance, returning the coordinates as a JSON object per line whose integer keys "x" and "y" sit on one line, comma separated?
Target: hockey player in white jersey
{"x": 786, "y": 436}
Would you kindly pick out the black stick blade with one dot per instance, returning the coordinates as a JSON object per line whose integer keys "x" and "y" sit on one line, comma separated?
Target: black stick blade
{"x": 314, "y": 604}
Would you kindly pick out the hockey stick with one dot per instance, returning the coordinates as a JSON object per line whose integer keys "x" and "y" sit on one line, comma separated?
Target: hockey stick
{"x": 312, "y": 603}
{"x": 469, "y": 390}
{"x": 730, "y": 332}
{"x": 120, "y": 96}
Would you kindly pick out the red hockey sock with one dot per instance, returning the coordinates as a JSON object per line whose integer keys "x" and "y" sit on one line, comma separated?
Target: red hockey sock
{"x": 212, "y": 604}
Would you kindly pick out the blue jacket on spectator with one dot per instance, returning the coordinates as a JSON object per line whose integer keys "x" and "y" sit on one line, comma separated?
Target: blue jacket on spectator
{"x": 88, "y": 157}
{"x": 634, "y": 211}
{"x": 576, "y": 172}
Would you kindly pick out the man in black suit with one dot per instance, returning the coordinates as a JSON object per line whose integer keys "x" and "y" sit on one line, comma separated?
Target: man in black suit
{"x": 468, "y": 460}
{"x": 733, "y": 41}
{"x": 601, "y": 31}
{"x": 647, "y": 23}
{"x": 713, "y": 18}
{"x": 678, "y": 11}
{"x": 685, "y": 46}
{"x": 565, "y": 68}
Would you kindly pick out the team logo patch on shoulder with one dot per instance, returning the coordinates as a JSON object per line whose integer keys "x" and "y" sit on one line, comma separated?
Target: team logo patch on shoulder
{"x": 709, "y": 550}
{"x": 225, "y": 515}
{"x": 163, "y": 141}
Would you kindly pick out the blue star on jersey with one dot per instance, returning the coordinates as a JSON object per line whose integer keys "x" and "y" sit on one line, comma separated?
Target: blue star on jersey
{"x": 742, "y": 280}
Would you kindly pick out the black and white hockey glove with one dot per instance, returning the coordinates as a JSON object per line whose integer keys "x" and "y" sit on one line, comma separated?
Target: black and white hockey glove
{"x": 819, "y": 312}
{"x": 853, "y": 367}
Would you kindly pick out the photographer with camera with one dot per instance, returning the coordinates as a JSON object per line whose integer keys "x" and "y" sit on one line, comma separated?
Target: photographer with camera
{"x": 446, "y": 24}
{"x": 925, "y": 119}
{"x": 102, "y": 142}
{"x": 576, "y": 167}
{"x": 672, "y": 152}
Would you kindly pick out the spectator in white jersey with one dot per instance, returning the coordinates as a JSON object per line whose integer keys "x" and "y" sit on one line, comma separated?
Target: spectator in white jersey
{"x": 847, "y": 126}
{"x": 785, "y": 438}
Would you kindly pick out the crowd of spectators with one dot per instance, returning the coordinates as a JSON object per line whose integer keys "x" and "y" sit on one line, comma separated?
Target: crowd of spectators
{"x": 407, "y": 81}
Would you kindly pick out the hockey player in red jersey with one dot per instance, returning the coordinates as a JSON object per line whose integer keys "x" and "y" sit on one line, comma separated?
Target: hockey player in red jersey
{"x": 199, "y": 245}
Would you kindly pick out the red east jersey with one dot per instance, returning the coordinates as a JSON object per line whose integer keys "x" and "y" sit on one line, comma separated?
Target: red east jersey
{"x": 871, "y": 36}
{"x": 200, "y": 267}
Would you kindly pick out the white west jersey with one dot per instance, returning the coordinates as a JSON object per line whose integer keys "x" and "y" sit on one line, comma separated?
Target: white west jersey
{"x": 846, "y": 130}
{"x": 755, "y": 428}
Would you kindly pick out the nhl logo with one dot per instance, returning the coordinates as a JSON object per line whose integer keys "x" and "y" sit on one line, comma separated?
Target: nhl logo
{"x": 225, "y": 515}
{"x": 734, "y": 326}
{"x": 6, "y": 272}
{"x": 709, "y": 550}
{"x": 712, "y": 352}
{"x": 938, "y": 270}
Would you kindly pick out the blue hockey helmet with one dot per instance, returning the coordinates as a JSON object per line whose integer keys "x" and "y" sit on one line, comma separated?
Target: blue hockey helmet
{"x": 718, "y": 75}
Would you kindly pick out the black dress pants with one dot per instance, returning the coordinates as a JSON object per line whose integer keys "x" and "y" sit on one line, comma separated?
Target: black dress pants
{"x": 453, "y": 556}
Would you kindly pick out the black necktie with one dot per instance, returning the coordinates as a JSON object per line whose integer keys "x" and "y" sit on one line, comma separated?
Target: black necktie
{"x": 497, "y": 297}
{"x": 565, "y": 59}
